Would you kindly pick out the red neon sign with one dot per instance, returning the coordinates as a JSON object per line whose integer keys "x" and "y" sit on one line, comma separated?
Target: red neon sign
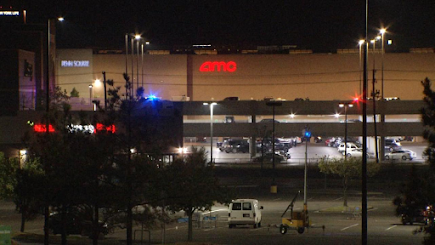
{"x": 211, "y": 66}
{"x": 102, "y": 127}
{"x": 40, "y": 128}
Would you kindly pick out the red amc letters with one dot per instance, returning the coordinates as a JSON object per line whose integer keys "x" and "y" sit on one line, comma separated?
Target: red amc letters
{"x": 218, "y": 66}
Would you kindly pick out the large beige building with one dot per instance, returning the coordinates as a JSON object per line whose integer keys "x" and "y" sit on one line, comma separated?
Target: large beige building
{"x": 178, "y": 77}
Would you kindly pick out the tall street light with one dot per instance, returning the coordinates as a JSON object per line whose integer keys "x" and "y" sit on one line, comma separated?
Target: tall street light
{"x": 364, "y": 135}
{"x": 374, "y": 94}
{"x": 382, "y": 143}
{"x": 360, "y": 43}
{"x": 90, "y": 93}
{"x": 273, "y": 188}
{"x": 211, "y": 128}
{"x": 382, "y": 32}
{"x": 345, "y": 105}
{"x": 137, "y": 37}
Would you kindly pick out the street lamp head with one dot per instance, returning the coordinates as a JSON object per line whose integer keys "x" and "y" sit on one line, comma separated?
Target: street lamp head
{"x": 90, "y": 86}
{"x": 137, "y": 36}
{"x": 212, "y": 103}
{"x": 361, "y": 42}
{"x": 378, "y": 38}
{"x": 60, "y": 19}
{"x": 341, "y": 105}
{"x": 383, "y": 31}
{"x": 97, "y": 82}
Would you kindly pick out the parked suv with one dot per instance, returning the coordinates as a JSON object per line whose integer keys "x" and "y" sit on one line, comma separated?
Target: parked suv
{"x": 235, "y": 146}
{"x": 392, "y": 145}
{"x": 349, "y": 147}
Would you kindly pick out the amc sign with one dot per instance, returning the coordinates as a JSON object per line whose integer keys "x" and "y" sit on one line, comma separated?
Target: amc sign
{"x": 218, "y": 66}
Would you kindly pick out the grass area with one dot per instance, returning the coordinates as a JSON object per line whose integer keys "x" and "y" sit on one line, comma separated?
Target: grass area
{"x": 72, "y": 240}
{"x": 79, "y": 240}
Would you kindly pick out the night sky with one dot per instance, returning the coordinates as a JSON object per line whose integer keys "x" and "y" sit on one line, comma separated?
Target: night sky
{"x": 320, "y": 25}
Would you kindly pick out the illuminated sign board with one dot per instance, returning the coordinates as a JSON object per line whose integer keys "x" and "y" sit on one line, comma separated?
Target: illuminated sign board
{"x": 81, "y": 128}
{"x": 89, "y": 129}
{"x": 74, "y": 63}
{"x": 41, "y": 128}
{"x": 101, "y": 127}
{"x": 9, "y": 13}
{"x": 218, "y": 66}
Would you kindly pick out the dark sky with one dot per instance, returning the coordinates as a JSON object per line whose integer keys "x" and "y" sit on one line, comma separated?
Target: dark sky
{"x": 320, "y": 25}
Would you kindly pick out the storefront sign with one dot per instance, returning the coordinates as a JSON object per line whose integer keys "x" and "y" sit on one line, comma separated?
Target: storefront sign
{"x": 41, "y": 128}
{"x": 101, "y": 127}
{"x": 218, "y": 66}
{"x": 9, "y": 13}
{"x": 74, "y": 63}
{"x": 89, "y": 129}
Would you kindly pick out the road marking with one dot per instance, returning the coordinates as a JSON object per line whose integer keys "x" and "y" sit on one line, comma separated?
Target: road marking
{"x": 256, "y": 229}
{"x": 338, "y": 199}
{"x": 277, "y": 199}
{"x": 391, "y": 227}
{"x": 345, "y": 228}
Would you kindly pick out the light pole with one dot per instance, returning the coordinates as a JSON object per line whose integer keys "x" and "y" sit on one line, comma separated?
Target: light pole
{"x": 346, "y": 105}
{"x": 360, "y": 43}
{"x": 142, "y": 62}
{"x": 273, "y": 188}
{"x": 374, "y": 93}
{"x": 382, "y": 32}
{"x": 105, "y": 91}
{"x": 307, "y": 135}
{"x": 90, "y": 93}
{"x": 137, "y": 37}
{"x": 382, "y": 143}
{"x": 211, "y": 104}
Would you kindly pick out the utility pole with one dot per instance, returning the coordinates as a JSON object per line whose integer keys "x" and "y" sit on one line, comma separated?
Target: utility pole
{"x": 374, "y": 95}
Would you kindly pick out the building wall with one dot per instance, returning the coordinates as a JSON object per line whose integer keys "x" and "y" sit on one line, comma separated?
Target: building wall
{"x": 74, "y": 75}
{"x": 163, "y": 75}
{"x": 27, "y": 82}
{"x": 285, "y": 76}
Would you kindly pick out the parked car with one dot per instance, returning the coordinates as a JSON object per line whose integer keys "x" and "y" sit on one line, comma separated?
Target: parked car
{"x": 77, "y": 223}
{"x": 397, "y": 155}
{"x": 350, "y": 146}
{"x": 412, "y": 153}
{"x": 392, "y": 145}
{"x": 268, "y": 157}
{"x": 235, "y": 146}
{"x": 358, "y": 153}
{"x": 415, "y": 216}
{"x": 244, "y": 212}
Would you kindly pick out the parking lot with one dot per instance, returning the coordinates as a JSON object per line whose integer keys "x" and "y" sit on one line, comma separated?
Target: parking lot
{"x": 315, "y": 151}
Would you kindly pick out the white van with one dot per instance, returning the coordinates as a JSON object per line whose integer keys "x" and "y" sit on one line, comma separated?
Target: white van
{"x": 350, "y": 146}
{"x": 244, "y": 212}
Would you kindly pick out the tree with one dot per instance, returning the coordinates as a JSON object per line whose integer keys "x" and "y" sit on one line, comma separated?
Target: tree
{"x": 8, "y": 168}
{"x": 428, "y": 118}
{"x": 193, "y": 186}
{"x": 27, "y": 191}
{"x": 347, "y": 169}
{"x": 74, "y": 93}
